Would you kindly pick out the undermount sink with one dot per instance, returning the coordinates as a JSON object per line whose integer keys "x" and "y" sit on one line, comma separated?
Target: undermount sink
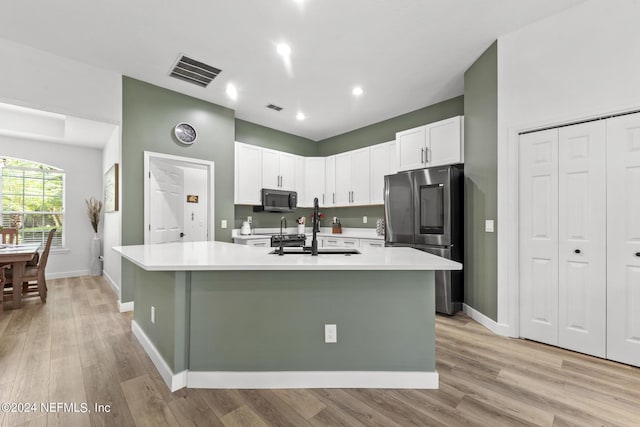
{"x": 322, "y": 251}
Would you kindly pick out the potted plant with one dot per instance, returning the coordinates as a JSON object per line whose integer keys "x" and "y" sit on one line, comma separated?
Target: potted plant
{"x": 94, "y": 208}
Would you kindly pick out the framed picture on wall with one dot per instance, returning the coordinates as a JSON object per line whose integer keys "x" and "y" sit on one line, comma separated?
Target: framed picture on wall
{"x": 111, "y": 189}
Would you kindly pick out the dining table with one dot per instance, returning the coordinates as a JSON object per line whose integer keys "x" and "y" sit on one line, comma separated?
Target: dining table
{"x": 17, "y": 256}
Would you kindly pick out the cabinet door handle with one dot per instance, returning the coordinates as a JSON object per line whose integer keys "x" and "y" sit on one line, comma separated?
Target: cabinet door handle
{"x": 333, "y": 196}
{"x": 577, "y": 251}
{"x": 422, "y": 155}
{"x": 323, "y": 198}
{"x": 426, "y": 155}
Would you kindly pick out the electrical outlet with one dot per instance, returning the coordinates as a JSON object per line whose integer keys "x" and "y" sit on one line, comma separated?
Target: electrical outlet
{"x": 153, "y": 314}
{"x": 223, "y": 223}
{"x": 364, "y": 219}
{"x": 330, "y": 334}
{"x": 488, "y": 226}
{"x": 249, "y": 219}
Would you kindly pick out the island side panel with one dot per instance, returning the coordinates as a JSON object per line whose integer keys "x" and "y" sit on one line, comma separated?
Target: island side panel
{"x": 274, "y": 321}
{"x": 157, "y": 289}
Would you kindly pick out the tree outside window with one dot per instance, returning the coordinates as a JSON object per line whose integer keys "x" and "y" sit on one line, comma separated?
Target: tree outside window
{"x": 32, "y": 200}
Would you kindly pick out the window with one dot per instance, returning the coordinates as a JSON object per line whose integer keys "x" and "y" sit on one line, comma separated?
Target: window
{"x": 32, "y": 200}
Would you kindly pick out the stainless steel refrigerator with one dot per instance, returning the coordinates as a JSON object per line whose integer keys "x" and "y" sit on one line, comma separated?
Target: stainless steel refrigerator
{"x": 423, "y": 209}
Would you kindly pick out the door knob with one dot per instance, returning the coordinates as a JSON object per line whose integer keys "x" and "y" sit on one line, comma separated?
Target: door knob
{"x": 577, "y": 251}
{"x": 181, "y": 234}
{"x": 638, "y": 254}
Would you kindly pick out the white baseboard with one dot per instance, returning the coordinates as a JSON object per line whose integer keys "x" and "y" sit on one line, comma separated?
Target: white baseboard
{"x": 313, "y": 379}
{"x": 173, "y": 381}
{"x": 492, "y": 325}
{"x": 113, "y": 284}
{"x": 125, "y": 306}
{"x": 65, "y": 274}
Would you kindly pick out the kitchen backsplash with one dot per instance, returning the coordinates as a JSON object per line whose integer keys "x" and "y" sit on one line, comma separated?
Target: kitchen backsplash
{"x": 349, "y": 217}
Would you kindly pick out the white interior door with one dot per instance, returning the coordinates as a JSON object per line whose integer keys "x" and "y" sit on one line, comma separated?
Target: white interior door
{"x": 623, "y": 239}
{"x": 582, "y": 280}
{"x": 194, "y": 203}
{"x": 165, "y": 200}
{"x": 538, "y": 252}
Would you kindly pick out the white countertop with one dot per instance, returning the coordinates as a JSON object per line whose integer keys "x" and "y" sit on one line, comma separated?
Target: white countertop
{"x": 353, "y": 233}
{"x": 191, "y": 256}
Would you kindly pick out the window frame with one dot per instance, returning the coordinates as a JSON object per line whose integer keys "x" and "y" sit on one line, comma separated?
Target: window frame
{"x": 43, "y": 171}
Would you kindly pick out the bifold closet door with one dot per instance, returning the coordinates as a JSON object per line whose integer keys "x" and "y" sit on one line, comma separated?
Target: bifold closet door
{"x": 623, "y": 239}
{"x": 538, "y": 250}
{"x": 582, "y": 277}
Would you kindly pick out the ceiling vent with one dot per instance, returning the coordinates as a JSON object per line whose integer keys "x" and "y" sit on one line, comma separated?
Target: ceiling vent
{"x": 193, "y": 71}
{"x": 274, "y": 107}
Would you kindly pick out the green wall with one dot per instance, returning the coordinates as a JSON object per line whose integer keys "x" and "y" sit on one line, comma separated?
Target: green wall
{"x": 386, "y": 130}
{"x": 480, "y": 153}
{"x": 149, "y": 114}
{"x": 254, "y": 134}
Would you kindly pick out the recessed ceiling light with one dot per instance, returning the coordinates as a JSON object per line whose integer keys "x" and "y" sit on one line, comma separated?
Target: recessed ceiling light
{"x": 284, "y": 49}
{"x": 357, "y": 91}
{"x": 300, "y": 116}
{"x": 232, "y": 91}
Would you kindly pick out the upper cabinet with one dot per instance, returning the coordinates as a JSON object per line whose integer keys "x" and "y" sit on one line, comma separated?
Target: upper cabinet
{"x": 382, "y": 162}
{"x": 352, "y": 178}
{"x": 248, "y": 173}
{"x": 314, "y": 181}
{"x": 329, "y": 181}
{"x": 278, "y": 170}
{"x": 435, "y": 144}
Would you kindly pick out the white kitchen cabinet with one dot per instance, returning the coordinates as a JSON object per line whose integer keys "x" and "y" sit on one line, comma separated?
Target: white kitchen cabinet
{"x": 278, "y": 170}
{"x": 300, "y": 179}
{"x": 262, "y": 243}
{"x": 371, "y": 243}
{"x": 435, "y": 144}
{"x": 352, "y": 178}
{"x": 340, "y": 242}
{"x": 563, "y": 224}
{"x": 623, "y": 239}
{"x": 329, "y": 181}
{"x": 445, "y": 142}
{"x": 314, "y": 177}
{"x": 410, "y": 147}
{"x": 380, "y": 165}
{"x": 248, "y": 173}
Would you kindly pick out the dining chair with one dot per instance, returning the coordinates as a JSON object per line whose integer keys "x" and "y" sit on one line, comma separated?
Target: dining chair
{"x": 35, "y": 273}
{"x": 2, "y": 282}
{"x": 9, "y": 235}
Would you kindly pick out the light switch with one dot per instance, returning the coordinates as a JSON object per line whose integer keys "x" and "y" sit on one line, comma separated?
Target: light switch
{"x": 223, "y": 223}
{"x": 488, "y": 226}
{"x": 364, "y": 219}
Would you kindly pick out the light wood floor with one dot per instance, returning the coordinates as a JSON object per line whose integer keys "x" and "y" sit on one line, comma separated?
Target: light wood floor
{"x": 78, "y": 348}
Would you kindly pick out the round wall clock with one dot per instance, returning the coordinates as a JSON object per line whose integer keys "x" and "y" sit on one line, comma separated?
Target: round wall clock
{"x": 185, "y": 133}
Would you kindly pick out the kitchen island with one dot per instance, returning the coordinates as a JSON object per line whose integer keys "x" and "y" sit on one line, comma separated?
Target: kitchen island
{"x": 219, "y": 315}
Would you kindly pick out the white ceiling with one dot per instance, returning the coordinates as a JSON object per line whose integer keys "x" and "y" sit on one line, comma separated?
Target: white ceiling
{"x": 406, "y": 54}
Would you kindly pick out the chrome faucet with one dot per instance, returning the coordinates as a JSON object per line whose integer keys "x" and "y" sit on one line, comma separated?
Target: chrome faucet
{"x": 315, "y": 224}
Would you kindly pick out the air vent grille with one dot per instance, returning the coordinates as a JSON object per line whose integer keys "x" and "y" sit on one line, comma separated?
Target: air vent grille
{"x": 274, "y": 107}
{"x": 193, "y": 71}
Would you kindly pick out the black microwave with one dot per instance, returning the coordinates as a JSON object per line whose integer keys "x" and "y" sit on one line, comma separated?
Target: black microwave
{"x": 277, "y": 201}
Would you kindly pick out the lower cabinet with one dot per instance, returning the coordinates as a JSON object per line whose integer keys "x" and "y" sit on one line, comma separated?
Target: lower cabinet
{"x": 262, "y": 243}
{"x": 340, "y": 242}
{"x": 371, "y": 243}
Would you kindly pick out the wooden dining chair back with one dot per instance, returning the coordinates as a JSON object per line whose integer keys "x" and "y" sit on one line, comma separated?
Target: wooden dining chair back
{"x": 2, "y": 283}
{"x": 33, "y": 278}
{"x": 9, "y": 236}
